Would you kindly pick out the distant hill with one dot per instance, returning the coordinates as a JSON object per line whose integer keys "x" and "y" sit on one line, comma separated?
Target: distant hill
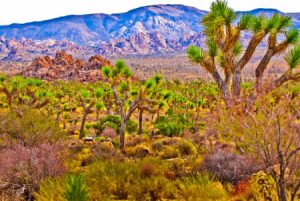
{"x": 172, "y": 21}
{"x": 146, "y": 30}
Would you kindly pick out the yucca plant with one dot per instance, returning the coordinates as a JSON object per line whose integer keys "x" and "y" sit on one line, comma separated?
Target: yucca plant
{"x": 76, "y": 189}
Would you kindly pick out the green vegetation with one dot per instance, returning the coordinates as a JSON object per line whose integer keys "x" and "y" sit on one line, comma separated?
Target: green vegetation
{"x": 155, "y": 139}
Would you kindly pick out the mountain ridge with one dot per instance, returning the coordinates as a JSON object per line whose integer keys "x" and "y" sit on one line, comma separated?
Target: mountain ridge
{"x": 155, "y": 29}
{"x": 172, "y": 20}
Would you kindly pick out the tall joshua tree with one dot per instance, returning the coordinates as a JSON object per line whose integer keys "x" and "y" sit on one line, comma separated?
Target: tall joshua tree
{"x": 127, "y": 101}
{"x": 225, "y": 51}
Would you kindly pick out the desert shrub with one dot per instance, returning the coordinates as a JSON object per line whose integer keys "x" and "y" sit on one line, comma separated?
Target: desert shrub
{"x": 76, "y": 189}
{"x": 186, "y": 148}
{"x": 134, "y": 140}
{"x": 123, "y": 176}
{"x": 172, "y": 125}
{"x": 170, "y": 140}
{"x": 151, "y": 166}
{"x": 152, "y": 183}
{"x": 98, "y": 181}
{"x": 80, "y": 159}
{"x": 169, "y": 152}
{"x": 104, "y": 150}
{"x": 114, "y": 122}
{"x": 110, "y": 121}
{"x": 147, "y": 169}
{"x": 200, "y": 187}
{"x": 157, "y": 146}
{"x": 111, "y": 178}
{"x": 106, "y": 147}
{"x": 31, "y": 128}
{"x": 22, "y": 168}
{"x": 178, "y": 167}
{"x": 131, "y": 126}
{"x": 116, "y": 143}
{"x": 76, "y": 146}
{"x": 151, "y": 188}
{"x": 51, "y": 190}
{"x": 229, "y": 167}
{"x": 109, "y": 133}
{"x": 263, "y": 186}
{"x": 139, "y": 151}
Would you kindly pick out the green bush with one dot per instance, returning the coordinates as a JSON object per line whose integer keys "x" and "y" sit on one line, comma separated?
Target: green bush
{"x": 114, "y": 122}
{"x": 172, "y": 125}
{"x": 186, "y": 148}
{"x": 31, "y": 128}
{"x": 131, "y": 126}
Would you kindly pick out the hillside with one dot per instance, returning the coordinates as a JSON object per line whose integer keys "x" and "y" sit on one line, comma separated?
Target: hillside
{"x": 147, "y": 30}
{"x": 172, "y": 21}
{"x": 163, "y": 31}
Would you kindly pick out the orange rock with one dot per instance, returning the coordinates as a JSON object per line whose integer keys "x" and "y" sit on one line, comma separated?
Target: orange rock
{"x": 64, "y": 67}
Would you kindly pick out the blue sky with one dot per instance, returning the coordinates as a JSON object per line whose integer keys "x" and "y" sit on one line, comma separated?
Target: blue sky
{"x": 20, "y": 11}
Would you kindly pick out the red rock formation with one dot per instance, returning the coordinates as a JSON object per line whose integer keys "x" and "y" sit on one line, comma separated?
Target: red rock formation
{"x": 96, "y": 62}
{"x": 64, "y": 67}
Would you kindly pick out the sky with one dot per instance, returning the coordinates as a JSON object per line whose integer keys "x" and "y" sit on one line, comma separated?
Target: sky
{"x": 21, "y": 11}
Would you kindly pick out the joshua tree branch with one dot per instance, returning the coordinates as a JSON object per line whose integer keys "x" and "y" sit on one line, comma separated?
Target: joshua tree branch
{"x": 254, "y": 42}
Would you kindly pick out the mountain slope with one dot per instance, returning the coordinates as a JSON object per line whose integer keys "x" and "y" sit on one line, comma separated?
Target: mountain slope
{"x": 172, "y": 21}
{"x": 157, "y": 29}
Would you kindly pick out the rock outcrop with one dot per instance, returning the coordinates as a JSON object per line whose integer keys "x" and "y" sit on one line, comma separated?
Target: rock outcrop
{"x": 64, "y": 67}
{"x": 25, "y": 50}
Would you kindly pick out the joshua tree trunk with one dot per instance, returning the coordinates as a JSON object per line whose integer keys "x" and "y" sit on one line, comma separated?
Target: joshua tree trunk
{"x": 108, "y": 112}
{"x": 140, "y": 131}
{"x": 86, "y": 111}
{"x": 122, "y": 134}
{"x": 236, "y": 83}
{"x": 227, "y": 96}
{"x": 97, "y": 115}
{"x": 81, "y": 135}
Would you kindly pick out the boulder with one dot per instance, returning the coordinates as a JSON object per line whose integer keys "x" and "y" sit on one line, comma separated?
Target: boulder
{"x": 64, "y": 67}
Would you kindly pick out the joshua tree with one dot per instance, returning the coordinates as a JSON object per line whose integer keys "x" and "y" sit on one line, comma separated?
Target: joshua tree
{"x": 126, "y": 99}
{"x": 147, "y": 98}
{"x": 29, "y": 92}
{"x": 224, "y": 49}
{"x": 88, "y": 100}
{"x": 6, "y": 89}
{"x": 108, "y": 98}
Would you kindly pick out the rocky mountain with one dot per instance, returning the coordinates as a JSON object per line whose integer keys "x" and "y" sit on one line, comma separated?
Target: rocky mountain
{"x": 64, "y": 67}
{"x": 23, "y": 50}
{"x": 158, "y": 29}
{"x": 172, "y": 21}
